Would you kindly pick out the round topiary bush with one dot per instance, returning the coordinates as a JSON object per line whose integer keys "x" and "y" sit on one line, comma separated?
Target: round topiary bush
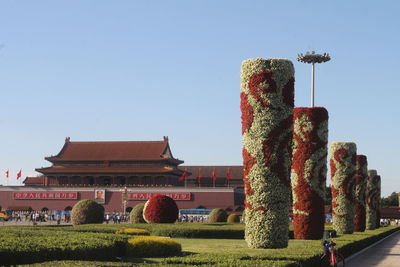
{"x": 217, "y": 215}
{"x": 160, "y": 209}
{"x": 233, "y": 218}
{"x": 87, "y": 211}
{"x": 152, "y": 246}
{"x": 136, "y": 215}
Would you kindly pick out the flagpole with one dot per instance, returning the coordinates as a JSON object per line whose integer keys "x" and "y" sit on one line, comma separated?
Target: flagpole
{"x": 185, "y": 179}
{"x": 199, "y": 180}
{"x": 227, "y": 176}
{"x": 214, "y": 177}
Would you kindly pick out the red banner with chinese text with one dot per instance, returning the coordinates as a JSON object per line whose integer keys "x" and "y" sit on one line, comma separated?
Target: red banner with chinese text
{"x": 45, "y": 195}
{"x": 146, "y": 196}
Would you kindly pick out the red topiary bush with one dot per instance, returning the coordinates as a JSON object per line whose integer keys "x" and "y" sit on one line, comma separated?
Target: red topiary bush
{"x": 160, "y": 209}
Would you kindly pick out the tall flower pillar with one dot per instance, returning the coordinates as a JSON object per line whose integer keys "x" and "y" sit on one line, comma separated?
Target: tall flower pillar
{"x": 343, "y": 165}
{"x": 267, "y": 100}
{"x": 360, "y": 189}
{"x": 371, "y": 199}
{"x": 310, "y": 139}
{"x": 378, "y": 201}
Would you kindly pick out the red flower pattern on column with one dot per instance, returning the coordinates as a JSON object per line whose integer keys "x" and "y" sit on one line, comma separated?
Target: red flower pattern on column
{"x": 309, "y": 169}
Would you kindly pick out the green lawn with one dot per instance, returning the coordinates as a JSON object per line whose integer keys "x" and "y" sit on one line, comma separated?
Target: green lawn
{"x": 196, "y": 251}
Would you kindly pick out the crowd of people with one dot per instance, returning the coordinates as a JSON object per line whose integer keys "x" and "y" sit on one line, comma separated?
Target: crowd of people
{"x": 192, "y": 218}
{"x": 58, "y": 217}
{"x": 116, "y": 218}
{"x": 38, "y": 216}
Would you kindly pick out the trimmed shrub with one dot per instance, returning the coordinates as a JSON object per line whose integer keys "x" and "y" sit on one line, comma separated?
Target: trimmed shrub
{"x": 22, "y": 245}
{"x": 87, "y": 211}
{"x": 359, "y": 197}
{"x": 343, "y": 168}
{"x": 160, "y": 209}
{"x": 132, "y": 231}
{"x": 267, "y": 101}
{"x": 310, "y": 139}
{"x": 217, "y": 215}
{"x": 152, "y": 246}
{"x": 233, "y": 218}
{"x": 136, "y": 215}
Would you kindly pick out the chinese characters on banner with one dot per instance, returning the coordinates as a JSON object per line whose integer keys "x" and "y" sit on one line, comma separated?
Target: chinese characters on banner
{"x": 45, "y": 195}
{"x": 145, "y": 196}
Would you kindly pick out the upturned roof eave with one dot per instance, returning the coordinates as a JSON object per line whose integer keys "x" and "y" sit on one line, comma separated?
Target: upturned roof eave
{"x": 50, "y": 171}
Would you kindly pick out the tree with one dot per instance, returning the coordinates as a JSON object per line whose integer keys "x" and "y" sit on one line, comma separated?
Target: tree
{"x": 392, "y": 200}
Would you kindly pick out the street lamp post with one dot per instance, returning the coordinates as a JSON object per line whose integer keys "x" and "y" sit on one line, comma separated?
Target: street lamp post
{"x": 312, "y": 58}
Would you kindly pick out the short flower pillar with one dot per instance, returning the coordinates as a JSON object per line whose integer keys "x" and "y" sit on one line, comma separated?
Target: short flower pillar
{"x": 343, "y": 166}
{"x": 360, "y": 189}
{"x": 371, "y": 196}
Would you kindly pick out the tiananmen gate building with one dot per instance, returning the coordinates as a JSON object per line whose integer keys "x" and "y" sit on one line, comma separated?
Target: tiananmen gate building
{"x": 120, "y": 174}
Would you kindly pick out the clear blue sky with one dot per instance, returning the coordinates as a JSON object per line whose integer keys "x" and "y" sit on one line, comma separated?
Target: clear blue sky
{"x": 139, "y": 70}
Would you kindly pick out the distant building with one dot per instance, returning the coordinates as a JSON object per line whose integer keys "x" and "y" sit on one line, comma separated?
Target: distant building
{"x": 132, "y": 163}
{"x": 125, "y": 173}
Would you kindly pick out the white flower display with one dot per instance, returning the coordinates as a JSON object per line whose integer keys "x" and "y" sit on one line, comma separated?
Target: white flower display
{"x": 343, "y": 166}
{"x": 267, "y": 100}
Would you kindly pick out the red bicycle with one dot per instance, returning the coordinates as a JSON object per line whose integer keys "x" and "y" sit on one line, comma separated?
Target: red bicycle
{"x": 331, "y": 257}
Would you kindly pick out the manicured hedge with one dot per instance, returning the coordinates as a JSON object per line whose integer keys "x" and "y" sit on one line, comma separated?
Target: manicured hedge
{"x": 152, "y": 246}
{"x": 70, "y": 263}
{"x": 132, "y": 231}
{"x": 186, "y": 230}
{"x": 350, "y": 244}
{"x": 18, "y": 245}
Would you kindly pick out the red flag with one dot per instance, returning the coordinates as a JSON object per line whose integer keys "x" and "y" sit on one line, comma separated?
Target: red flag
{"x": 183, "y": 177}
{"x": 19, "y": 174}
{"x": 213, "y": 175}
{"x": 7, "y": 173}
{"x": 199, "y": 178}
{"x": 228, "y": 175}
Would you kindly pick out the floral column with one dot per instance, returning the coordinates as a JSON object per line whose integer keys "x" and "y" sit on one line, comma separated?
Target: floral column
{"x": 371, "y": 199}
{"x": 343, "y": 165}
{"x": 310, "y": 139}
{"x": 267, "y": 100}
{"x": 378, "y": 201}
{"x": 360, "y": 188}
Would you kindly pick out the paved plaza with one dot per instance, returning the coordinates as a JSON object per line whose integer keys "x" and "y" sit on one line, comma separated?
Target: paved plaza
{"x": 384, "y": 254}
